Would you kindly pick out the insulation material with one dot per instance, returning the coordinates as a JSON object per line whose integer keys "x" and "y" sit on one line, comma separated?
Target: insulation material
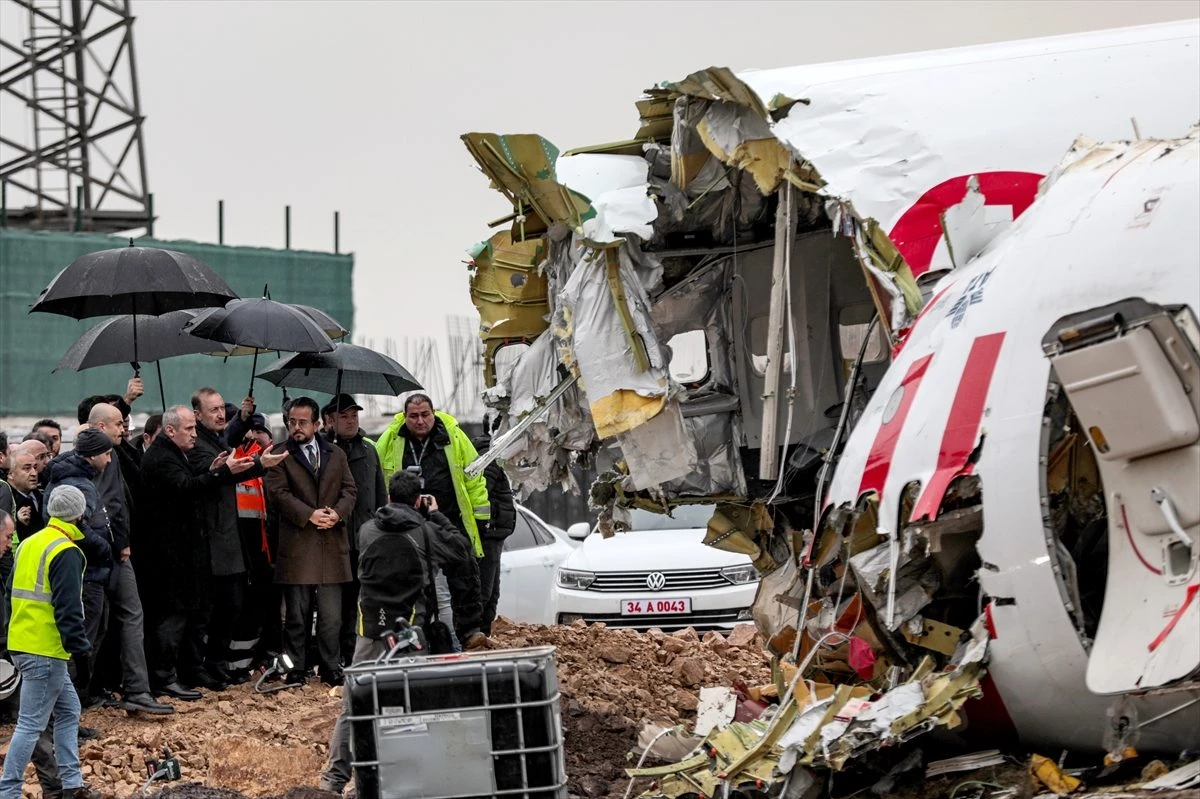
{"x": 593, "y": 335}
{"x": 616, "y": 186}
{"x": 659, "y": 450}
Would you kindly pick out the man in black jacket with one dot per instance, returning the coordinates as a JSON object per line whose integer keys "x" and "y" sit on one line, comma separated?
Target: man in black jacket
{"x": 342, "y": 429}
{"x": 177, "y": 560}
{"x": 227, "y": 557}
{"x": 397, "y": 550}
{"x": 500, "y": 527}
{"x": 124, "y": 604}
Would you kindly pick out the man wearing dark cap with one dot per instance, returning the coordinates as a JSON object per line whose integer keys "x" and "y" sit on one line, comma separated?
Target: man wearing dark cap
{"x": 342, "y": 429}
{"x": 82, "y": 468}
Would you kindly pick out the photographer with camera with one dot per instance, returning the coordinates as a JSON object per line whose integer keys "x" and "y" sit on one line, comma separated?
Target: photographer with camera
{"x": 400, "y": 548}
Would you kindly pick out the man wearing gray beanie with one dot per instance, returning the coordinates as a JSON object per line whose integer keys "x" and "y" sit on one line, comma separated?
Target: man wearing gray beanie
{"x": 45, "y": 629}
{"x": 79, "y": 468}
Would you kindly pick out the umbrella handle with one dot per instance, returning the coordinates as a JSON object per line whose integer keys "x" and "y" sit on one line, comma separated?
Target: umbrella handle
{"x": 137, "y": 368}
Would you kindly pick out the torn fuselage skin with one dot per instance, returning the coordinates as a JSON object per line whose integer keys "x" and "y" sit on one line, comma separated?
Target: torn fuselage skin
{"x": 906, "y": 559}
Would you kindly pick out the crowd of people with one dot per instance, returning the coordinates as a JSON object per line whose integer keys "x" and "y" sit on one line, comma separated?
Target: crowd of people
{"x": 141, "y": 570}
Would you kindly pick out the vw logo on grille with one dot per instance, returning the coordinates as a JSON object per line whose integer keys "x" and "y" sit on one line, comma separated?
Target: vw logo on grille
{"x": 656, "y": 581}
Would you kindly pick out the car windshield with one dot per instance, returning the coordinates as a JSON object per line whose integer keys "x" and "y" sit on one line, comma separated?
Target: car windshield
{"x": 685, "y": 517}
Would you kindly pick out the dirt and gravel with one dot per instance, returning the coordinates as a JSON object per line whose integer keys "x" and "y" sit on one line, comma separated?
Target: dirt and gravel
{"x": 238, "y": 743}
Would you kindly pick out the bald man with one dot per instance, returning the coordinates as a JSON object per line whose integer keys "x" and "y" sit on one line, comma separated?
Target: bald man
{"x": 121, "y": 594}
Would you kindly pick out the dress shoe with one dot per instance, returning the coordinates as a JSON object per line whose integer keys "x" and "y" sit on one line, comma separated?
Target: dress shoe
{"x": 296, "y": 678}
{"x": 144, "y": 703}
{"x": 203, "y": 679}
{"x": 87, "y": 734}
{"x": 177, "y": 691}
{"x": 332, "y": 677}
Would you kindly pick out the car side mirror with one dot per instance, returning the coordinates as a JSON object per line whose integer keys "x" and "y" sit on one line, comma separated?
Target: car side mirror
{"x": 579, "y": 531}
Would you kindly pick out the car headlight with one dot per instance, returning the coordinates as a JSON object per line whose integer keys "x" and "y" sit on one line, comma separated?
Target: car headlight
{"x": 579, "y": 580}
{"x": 740, "y": 575}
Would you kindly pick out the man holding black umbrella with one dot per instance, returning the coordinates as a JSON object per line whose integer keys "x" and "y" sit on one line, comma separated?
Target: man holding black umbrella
{"x": 341, "y": 428}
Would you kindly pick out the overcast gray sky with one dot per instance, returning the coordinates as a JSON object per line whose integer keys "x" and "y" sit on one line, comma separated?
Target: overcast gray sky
{"x": 358, "y": 106}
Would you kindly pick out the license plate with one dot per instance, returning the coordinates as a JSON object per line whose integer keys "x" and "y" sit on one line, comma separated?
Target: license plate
{"x": 655, "y": 607}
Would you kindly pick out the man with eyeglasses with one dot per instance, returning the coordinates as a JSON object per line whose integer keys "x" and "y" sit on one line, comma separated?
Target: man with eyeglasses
{"x": 314, "y": 494}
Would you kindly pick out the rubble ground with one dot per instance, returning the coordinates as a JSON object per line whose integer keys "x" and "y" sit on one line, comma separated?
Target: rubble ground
{"x": 236, "y": 744}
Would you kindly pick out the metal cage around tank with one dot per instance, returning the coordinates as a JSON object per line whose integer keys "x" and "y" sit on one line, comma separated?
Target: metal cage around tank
{"x": 458, "y": 726}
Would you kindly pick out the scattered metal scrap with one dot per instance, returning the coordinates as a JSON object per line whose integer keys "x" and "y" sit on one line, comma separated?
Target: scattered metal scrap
{"x": 824, "y": 725}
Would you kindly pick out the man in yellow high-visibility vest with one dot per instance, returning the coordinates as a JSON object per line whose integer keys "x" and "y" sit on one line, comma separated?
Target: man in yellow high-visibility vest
{"x": 45, "y": 628}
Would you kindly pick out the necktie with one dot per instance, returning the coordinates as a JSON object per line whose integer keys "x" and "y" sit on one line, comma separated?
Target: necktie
{"x": 313, "y": 456}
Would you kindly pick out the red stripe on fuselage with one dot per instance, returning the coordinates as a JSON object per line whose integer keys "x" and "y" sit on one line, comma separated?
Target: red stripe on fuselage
{"x": 879, "y": 459}
{"x": 962, "y": 426}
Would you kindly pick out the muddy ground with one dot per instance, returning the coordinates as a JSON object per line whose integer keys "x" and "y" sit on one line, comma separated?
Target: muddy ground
{"x": 240, "y": 745}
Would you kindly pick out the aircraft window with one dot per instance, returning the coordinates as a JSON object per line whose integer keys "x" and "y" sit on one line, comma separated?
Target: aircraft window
{"x": 689, "y": 357}
{"x": 852, "y": 338}
{"x": 506, "y": 357}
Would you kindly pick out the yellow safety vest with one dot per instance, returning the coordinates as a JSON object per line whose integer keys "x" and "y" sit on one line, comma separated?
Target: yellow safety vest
{"x": 31, "y": 626}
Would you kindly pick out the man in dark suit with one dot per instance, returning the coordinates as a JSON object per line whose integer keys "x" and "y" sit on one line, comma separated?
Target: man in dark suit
{"x": 314, "y": 494}
{"x": 177, "y": 557}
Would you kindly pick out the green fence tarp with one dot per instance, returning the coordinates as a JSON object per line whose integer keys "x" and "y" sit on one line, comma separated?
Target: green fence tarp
{"x": 32, "y": 344}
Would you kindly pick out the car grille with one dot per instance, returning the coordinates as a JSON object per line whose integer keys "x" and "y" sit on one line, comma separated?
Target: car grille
{"x": 700, "y": 620}
{"x": 677, "y": 580}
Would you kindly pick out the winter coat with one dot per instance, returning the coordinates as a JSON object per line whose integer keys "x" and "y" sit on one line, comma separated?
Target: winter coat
{"x": 450, "y": 449}
{"x": 504, "y": 512}
{"x": 393, "y": 574}
{"x": 110, "y": 485}
{"x": 307, "y": 555}
{"x": 70, "y": 468}
{"x": 219, "y": 515}
{"x": 174, "y": 558}
{"x": 368, "y": 479}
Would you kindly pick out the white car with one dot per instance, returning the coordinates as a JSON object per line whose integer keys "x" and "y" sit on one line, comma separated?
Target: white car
{"x": 658, "y": 574}
{"x": 528, "y": 564}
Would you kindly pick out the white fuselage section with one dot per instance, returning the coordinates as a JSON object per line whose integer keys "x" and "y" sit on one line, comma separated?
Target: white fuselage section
{"x": 972, "y": 378}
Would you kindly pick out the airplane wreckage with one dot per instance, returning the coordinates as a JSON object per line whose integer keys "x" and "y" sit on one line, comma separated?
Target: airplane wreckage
{"x": 945, "y": 393}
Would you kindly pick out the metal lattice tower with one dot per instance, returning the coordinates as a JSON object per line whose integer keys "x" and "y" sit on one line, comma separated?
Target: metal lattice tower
{"x": 71, "y": 150}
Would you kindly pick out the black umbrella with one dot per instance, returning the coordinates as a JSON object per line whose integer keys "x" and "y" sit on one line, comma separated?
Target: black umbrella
{"x": 262, "y": 324}
{"x": 349, "y": 368}
{"x": 132, "y": 280}
{"x": 111, "y": 342}
{"x": 331, "y": 327}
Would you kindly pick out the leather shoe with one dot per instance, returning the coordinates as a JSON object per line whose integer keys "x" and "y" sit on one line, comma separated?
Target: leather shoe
{"x": 177, "y": 691}
{"x": 82, "y": 792}
{"x": 296, "y": 678}
{"x": 144, "y": 703}
{"x": 203, "y": 679}
{"x": 88, "y": 733}
{"x": 332, "y": 677}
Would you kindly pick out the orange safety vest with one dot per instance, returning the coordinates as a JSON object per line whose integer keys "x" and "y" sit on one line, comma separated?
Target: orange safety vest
{"x": 252, "y": 497}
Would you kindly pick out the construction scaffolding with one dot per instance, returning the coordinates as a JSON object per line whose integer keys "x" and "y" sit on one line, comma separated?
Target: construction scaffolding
{"x": 71, "y": 149}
